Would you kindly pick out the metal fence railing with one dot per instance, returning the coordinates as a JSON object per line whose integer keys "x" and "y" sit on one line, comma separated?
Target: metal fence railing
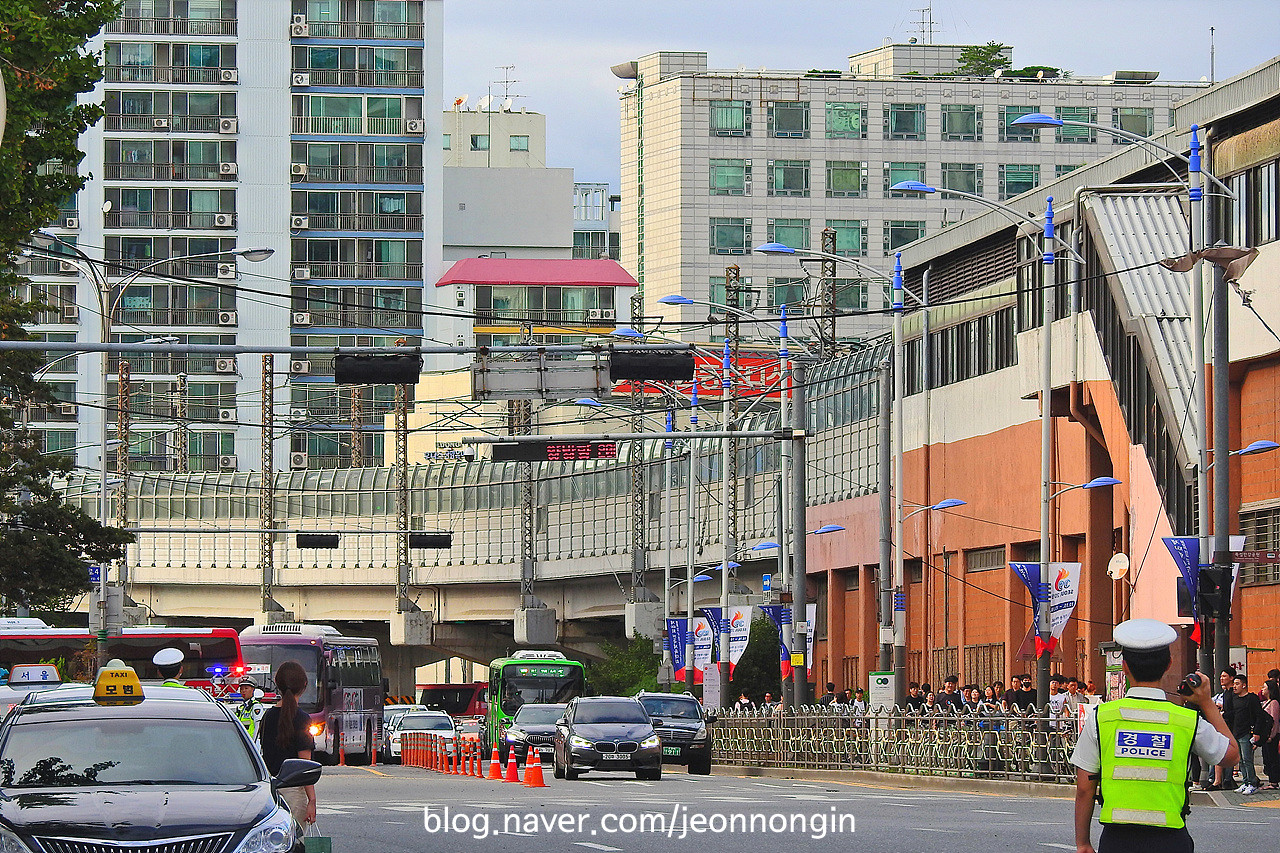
{"x": 978, "y": 745}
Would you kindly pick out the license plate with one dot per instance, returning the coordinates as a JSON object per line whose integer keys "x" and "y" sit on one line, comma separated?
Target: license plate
{"x": 546, "y": 750}
{"x": 671, "y": 750}
{"x": 615, "y": 756}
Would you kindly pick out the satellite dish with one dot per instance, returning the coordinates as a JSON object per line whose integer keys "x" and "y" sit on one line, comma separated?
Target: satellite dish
{"x": 506, "y": 105}
{"x": 1118, "y": 567}
{"x": 483, "y": 103}
{"x": 460, "y": 102}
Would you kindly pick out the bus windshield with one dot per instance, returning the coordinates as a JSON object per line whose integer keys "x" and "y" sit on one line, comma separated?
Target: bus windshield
{"x": 538, "y": 683}
{"x": 263, "y": 661}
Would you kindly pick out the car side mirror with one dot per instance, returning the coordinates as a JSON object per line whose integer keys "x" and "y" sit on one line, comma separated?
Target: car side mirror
{"x": 657, "y": 721}
{"x": 297, "y": 773}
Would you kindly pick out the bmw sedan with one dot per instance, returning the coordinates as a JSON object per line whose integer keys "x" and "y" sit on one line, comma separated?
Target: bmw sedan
{"x": 532, "y": 728}
{"x": 606, "y": 733}
{"x": 169, "y": 770}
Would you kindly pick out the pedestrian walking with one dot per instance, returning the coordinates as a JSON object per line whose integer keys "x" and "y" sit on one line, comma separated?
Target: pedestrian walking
{"x": 285, "y": 733}
{"x": 1271, "y": 747}
{"x": 1250, "y": 725}
{"x": 1134, "y": 752}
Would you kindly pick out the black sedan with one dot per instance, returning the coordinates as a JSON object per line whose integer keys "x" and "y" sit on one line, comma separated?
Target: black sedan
{"x": 532, "y": 728}
{"x": 606, "y": 733}
{"x": 682, "y": 725}
{"x": 172, "y": 771}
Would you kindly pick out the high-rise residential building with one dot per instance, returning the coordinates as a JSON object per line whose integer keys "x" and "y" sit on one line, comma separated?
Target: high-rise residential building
{"x": 717, "y": 162}
{"x": 309, "y": 127}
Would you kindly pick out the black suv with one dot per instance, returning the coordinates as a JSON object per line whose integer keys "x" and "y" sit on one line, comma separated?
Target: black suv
{"x": 606, "y": 733}
{"x": 682, "y": 725}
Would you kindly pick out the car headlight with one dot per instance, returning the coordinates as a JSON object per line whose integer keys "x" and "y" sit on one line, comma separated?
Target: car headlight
{"x": 650, "y": 742}
{"x": 10, "y": 843}
{"x": 582, "y": 742}
{"x": 701, "y": 733}
{"x": 273, "y": 835}
{"x": 514, "y": 735}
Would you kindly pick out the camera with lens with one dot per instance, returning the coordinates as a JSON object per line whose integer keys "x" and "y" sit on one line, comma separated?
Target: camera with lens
{"x": 1189, "y": 684}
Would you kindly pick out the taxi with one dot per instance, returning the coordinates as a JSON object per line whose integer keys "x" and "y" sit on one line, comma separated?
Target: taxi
{"x": 27, "y": 678}
{"x": 86, "y": 768}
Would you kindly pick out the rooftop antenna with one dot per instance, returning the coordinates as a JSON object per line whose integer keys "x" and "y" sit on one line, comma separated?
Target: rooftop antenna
{"x": 927, "y": 24}
{"x": 506, "y": 83}
{"x": 1212, "y": 78}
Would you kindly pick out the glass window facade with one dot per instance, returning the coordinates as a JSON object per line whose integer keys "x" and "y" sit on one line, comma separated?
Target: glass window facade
{"x": 730, "y": 177}
{"x": 904, "y": 121}
{"x": 730, "y": 118}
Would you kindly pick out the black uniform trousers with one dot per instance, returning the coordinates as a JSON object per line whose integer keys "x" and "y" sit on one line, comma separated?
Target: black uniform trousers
{"x": 1132, "y": 838}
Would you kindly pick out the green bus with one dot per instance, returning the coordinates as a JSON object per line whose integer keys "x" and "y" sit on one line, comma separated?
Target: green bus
{"x": 529, "y": 677}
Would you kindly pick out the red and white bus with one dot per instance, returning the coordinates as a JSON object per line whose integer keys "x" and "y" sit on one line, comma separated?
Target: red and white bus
{"x": 213, "y": 661}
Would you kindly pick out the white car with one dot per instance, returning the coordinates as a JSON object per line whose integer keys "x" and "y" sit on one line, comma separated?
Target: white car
{"x": 435, "y": 722}
{"x": 391, "y": 714}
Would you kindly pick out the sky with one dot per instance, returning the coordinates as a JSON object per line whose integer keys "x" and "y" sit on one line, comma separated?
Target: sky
{"x": 562, "y": 50}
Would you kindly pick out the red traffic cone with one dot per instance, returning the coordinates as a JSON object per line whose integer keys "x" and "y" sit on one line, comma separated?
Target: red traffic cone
{"x": 495, "y": 765}
{"x": 513, "y": 771}
{"x": 533, "y": 772}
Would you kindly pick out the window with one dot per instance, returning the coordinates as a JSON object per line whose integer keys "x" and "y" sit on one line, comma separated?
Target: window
{"x": 519, "y": 143}
{"x": 789, "y": 119}
{"x": 896, "y": 173}
{"x": 904, "y": 121}
{"x": 1139, "y": 120}
{"x": 1018, "y": 178}
{"x": 846, "y": 121}
{"x": 793, "y": 233}
{"x": 899, "y": 232}
{"x": 1261, "y": 529}
{"x": 1064, "y": 169}
{"x": 786, "y": 291}
{"x": 846, "y": 178}
{"x": 850, "y": 293}
{"x": 1010, "y": 132}
{"x": 964, "y": 177}
{"x": 961, "y": 122}
{"x": 851, "y": 237}
{"x": 448, "y": 141}
{"x": 1077, "y": 134}
{"x": 479, "y": 142}
{"x": 730, "y": 177}
{"x": 730, "y": 118}
{"x": 789, "y": 178}
{"x": 730, "y": 235}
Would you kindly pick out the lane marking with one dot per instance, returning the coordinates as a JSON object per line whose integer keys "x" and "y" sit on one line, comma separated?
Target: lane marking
{"x": 375, "y": 772}
{"x": 593, "y": 846}
{"x": 933, "y": 829}
{"x": 991, "y": 811}
{"x": 1057, "y": 846}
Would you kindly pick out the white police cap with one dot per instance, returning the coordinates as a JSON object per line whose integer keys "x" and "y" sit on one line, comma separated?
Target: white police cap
{"x": 168, "y": 657}
{"x": 1144, "y": 634}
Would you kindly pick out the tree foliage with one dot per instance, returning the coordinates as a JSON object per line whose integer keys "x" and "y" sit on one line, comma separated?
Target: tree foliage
{"x": 45, "y": 544}
{"x": 757, "y": 671}
{"x": 628, "y": 667}
{"x": 982, "y": 60}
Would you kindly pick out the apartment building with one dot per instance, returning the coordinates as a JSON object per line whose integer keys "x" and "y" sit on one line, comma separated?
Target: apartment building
{"x": 299, "y": 126}
{"x": 717, "y": 162}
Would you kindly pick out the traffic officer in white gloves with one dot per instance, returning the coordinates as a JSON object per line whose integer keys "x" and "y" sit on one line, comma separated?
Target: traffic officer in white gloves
{"x": 1134, "y": 754}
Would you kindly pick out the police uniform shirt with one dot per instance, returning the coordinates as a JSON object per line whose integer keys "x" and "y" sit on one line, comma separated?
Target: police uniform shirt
{"x": 1209, "y": 744}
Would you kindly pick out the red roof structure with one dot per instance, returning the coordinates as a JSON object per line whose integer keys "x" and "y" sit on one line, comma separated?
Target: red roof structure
{"x": 547, "y": 271}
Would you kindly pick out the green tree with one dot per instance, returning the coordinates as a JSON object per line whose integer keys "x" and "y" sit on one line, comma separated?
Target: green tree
{"x": 982, "y": 60}
{"x": 45, "y": 544}
{"x": 628, "y": 667}
{"x": 757, "y": 671}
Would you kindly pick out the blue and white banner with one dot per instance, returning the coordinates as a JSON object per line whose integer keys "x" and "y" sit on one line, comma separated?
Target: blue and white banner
{"x": 780, "y": 615}
{"x": 739, "y": 634}
{"x": 1185, "y": 551}
{"x": 703, "y": 642}
{"x": 712, "y": 613}
{"x": 811, "y": 616}
{"x": 677, "y": 637}
{"x": 1029, "y": 573}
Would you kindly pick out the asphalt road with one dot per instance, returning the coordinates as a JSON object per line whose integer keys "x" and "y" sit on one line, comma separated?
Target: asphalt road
{"x": 387, "y": 808}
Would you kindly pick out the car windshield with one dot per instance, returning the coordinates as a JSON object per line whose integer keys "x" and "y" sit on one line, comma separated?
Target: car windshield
{"x": 424, "y": 723}
{"x": 539, "y": 714}
{"x": 125, "y": 751}
{"x": 683, "y": 709}
{"x": 610, "y": 712}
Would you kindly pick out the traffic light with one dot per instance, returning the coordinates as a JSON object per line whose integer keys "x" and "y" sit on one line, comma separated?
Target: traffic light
{"x": 377, "y": 369}
{"x": 1209, "y": 591}
{"x": 317, "y": 540}
{"x": 654, "y": 365}
{"x": 431, "y": 540}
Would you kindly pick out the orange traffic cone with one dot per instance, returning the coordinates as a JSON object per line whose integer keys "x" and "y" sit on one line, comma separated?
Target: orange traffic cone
{"x": 533, "y": 772}
{"x": 495, "y": 765}
{"x": 342, "y": 754}
{"x": 373, "y": 755}
{"x": 513, "y": 772}
{"x": 478, "y": 770}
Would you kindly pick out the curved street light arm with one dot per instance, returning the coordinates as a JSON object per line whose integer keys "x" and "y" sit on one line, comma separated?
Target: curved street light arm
{"x": 1138, "y": 139}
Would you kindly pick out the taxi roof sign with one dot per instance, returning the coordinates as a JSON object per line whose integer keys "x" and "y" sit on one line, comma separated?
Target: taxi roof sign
{"x": 34, "y": 673}
{"x": 117, "y": 684}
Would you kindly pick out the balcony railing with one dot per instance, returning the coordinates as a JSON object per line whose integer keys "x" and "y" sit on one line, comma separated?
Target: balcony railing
{"x": 182, "y": 123}
{"x": 363, "y": 30}
{"x": 352, "y": 77}
{"x": 364, "y": 222}
{"x": 46, "y": 266}
{"x": 167, "y": 220}
{"x": 171, "y": 365}
{"x": 362, "y": 175}
{"x": 349, "y": 125}
{"x": 362, "y": 270}
{"x": 173, "y": 26}
{"x": 342, "y": 414}
{"x": 162, "y": 74}
{"x": 164, "y": 172}
{"x": 168, "y": 316}
{"x": 373, "y": 319}
{"x": 552, "y": 317}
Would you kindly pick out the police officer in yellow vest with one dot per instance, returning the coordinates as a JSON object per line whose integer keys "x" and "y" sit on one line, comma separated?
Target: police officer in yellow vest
{"x": 1134, "y": 753}
{"x": 169, "y": 663}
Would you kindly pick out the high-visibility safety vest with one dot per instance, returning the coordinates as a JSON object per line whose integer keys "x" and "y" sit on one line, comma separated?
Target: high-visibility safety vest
{"x": 172, "y": 682}
{"x": 1145, "y": 751}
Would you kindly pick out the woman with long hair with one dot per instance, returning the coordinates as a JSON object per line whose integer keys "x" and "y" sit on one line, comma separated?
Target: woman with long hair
{"x": 285, "y": 733}
{"x": 1270, "y": 752}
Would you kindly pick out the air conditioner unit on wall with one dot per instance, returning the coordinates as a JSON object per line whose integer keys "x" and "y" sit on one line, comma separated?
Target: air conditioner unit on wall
{"x": 414, "y": 125}
{"x": 302, "y": 318}
{"x": 298, "y": 414}
{"x": 224, "y": 220}
{"x": 300, "y": 365}
{"x": 298, "y": 223}
{"x": 299, "y": 169}
{"x": 226, "y": 318}
{"x": 71, "y": 222}
{"x": 301, "y": 273}
{"x": 298, "y": 459}
{"x": 226, "y": 415}
{"x": 228, "y": 168}
{"x": 68, "y": 409}
{"x": 67, "y": 266}
{"x": 160, "y": 123}
{"x": 70, "y": 312}
{"x": 226, "y": 270}
{"x": 230, "y": 75}
{"x": 298, "y": 30}
{"x": 227, "y": 461}
{"x": 225, "y": 365}
{"x": 228, "y": 125}
{"x": 302, "y": 78}
{"x": 299, "y": 19}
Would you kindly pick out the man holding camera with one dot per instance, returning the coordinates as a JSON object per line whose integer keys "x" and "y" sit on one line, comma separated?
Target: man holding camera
{"x": 1134, "y": 753}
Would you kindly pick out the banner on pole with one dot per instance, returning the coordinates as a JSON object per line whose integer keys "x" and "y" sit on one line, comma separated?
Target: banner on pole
{"x": 811, "y": 615}
{"x": 780, "y": 615}
{"x": 1063, "y": 595}
{"x": 677, "y": 637}
{"x": 739, "y": 634}
{"x": 702, "y": 644}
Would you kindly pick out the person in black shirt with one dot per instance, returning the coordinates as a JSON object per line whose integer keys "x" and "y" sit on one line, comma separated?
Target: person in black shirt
{"x": 285, "y": 733}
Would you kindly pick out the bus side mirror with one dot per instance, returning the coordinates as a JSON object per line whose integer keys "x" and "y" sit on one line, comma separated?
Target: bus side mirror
{"x": 386, "y": 686}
